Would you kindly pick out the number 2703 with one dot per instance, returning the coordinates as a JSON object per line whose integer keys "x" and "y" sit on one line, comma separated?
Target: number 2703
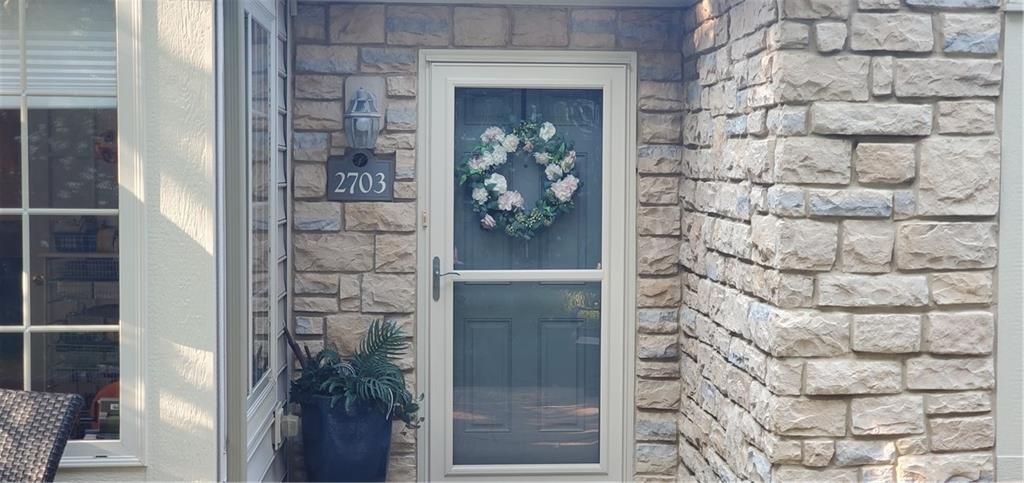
{"x": 360, "y": 183}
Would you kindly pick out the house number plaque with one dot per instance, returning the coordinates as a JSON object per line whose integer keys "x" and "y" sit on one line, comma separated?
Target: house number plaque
{"x": 360, "y": 177}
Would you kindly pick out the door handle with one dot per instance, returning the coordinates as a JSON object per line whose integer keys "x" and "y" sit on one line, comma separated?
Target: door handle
{"x": 436, "y": 287}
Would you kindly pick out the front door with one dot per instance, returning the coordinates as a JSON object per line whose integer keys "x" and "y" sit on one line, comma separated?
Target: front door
{"x": 527, "y": 337}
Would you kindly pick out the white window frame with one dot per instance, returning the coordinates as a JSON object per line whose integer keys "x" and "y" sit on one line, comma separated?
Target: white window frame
{"x": 440, "y": 71}
{"x": 128, "y": 450}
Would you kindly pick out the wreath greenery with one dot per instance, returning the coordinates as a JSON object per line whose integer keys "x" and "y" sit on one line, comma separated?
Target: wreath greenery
{"x": 501, "y": 207}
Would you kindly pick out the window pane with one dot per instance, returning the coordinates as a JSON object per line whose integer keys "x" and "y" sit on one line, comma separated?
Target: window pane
{"x": 70, "y": 46}
{"x": 527, "y": 381}
{"x": 574, "y": 240}
{"x": 10, "y": 158}
{"x": 10, "y": 54}
{"x": 83, "y": 363}
{"x": 10, "y": 270}
{"x": 260, "y": 178}
{"x": 73, "y": 158}
{"x": 11, "y": 362}
{"x": 74, "y": 270}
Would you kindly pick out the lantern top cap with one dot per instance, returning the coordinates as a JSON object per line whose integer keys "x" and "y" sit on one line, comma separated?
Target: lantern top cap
{"x": 364, "y": 104}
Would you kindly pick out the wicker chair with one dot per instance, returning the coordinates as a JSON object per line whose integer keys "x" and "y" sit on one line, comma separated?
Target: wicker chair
{"x": 34, "y": 428}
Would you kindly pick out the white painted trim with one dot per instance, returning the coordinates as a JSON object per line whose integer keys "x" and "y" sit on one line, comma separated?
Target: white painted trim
{"x": 619, "y": 92}
{"x": 537, "y": 3}
{"x": 1010, "y": 333}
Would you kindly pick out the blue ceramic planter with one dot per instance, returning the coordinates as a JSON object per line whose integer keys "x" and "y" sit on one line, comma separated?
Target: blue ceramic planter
{"x": 344, "y": 447}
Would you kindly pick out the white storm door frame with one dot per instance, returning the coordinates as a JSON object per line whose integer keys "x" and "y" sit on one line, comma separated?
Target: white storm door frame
{"x": 613, "y": 73}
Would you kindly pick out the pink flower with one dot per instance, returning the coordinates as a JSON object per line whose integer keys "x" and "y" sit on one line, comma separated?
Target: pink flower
{"x": 492, "y": 133}
{"x": 542, "y": 158}
{"x": 488, "y": 222}
{"x": 510, "y": 201}
{"x": 569, "y": 161}
{"x": 564, "y": 188}
{"x": 477, "y": 163}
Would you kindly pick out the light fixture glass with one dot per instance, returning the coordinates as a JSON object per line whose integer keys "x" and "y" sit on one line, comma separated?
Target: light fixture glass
{"x": 362, "y": 120}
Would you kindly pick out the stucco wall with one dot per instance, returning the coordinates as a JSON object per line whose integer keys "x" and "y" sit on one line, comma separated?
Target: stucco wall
{"x": 842, "y": 169}
{"x": 178, "y": 198}
{"x": 356, "y": 261}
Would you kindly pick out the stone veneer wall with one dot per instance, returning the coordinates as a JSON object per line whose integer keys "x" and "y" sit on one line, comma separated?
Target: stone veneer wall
{"x": 841, "y": 177}
{"x": 356, "y": 262}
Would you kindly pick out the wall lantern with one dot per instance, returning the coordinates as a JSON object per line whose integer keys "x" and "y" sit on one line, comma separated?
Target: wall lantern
{"x": 362, "y": 120}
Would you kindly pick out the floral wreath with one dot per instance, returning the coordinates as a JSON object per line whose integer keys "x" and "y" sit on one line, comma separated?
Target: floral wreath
{"x": 501, "y": 207}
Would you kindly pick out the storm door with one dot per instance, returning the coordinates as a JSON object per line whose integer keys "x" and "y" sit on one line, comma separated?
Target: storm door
{"x": 532, "y": 384}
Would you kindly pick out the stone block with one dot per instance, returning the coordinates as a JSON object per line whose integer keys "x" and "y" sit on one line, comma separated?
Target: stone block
{"x": 401, "y": 115}
{"x": 395, "y": 253}
{"x": 660, "y": 128}
{"x": 656, "y": 458}
{"x": 309, "y": 25}
{"x": 787, "y": 120}
{"x": 812, "y": 160}
{"x": 962, "y": 433}
{"x": 657, "y": 346}
{"x": 881, "y": 76}
{"x": 806, "y": 76}
{"x": 887, "y": 163}
{"x": 310, "y": 146}
{"x": 658, "y": 369}
{"x": 808, "y": 417}
{"x": 878, "y": 473}
{"x": 959, "y": 176}
{"x": 660, "y": 66}
{"x": 803, "y": 333}
{"x": 872, "y": 290}
{"x": 784, "y": 200}
{"x": 657, "y": 321}
{"x": 592, "y": 28}
{"x": 850, "y": 203}
{"x": 953, "y": 288}
{"x": 784, "y": 376}
{"x": 657, "y": 255}
{"x": 305, "y": 325}
{"x": 334, "y": 252}
{"x": 799, "y": 473}
{"x": 794, "y": 244}
{"x": 316, "y": 305}
{"x": 387, "y": 293}
{"x": 659, "y": 220}
{"x": 316, "y": 216}
{"x": 939, "y": 245}
{"x": 660, "y": 96}
{"x": 878, "y": 4}
{"x": 895, "y": 32}
{"x": 946, "y": 467}
{"x": 747, "y": 17}
{"x": 655, "y": 426}
{"x": 350, "y": 291}
{"x": 954, "y": 3}
{"x": 481, "y": 26}
{"x": 317, "y": 115}
{"x": 326, "y": 59}
{"x": 857, "y": 453}
{"x": 389, "y": 217}
{"x": 386, "y": 60}
{"x": 659, "y": 159}
{"x": 357, "y": 24}
{"x": 311, "y": 283}
{"x": 658, "y": 190}
{"x": 948, "y": 77}
{"x": 815, "y": 9}
{"x": 852, "y": 376}
{"x": 649, "y": 29}
{"x": 320, "y": 87}
{"x": 966, "y": 117}
{"x": 401, "y": 86}
{"x": 887, "y": 415}
{"x": 957, "y": 402}
{"x": 657, "y": 394}
{"x": 540, "y": 27}
{"x": 659, "y": 292}
{"x": 818, "y": 453}
{"x": 829, "y": 36}
{"x": 959, "y": 374}
{"x": 887, "y": 333}
{"x": 961, "y": 333}
{"x": 847, "y": 118}
{"x": 867, "y": 246}
{"x": 309, "y": 180}
{"x": 788, "y": 35}
{"x": 970, "y": 33}
{"x": 418, "y": 25}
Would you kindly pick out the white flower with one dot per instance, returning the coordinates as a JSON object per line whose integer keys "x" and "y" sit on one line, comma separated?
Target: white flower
{"x": 510, "y": 201}
{"x": 487, "y": 222}
{"x": 495, "y": 157}
{"x": 564, "y": 188}
{"x": 480, "y": 195}
{"x": 492, "y": 133}
{"x": 510, "y": 143}
{"x": 542, "y": 158}
{"x": 546, "y": 131}
{"x": 569, "y": 161}
{"x": 477, "y": 163}
{"x": 496, "y": 183}
{"x": 553, "y": 172}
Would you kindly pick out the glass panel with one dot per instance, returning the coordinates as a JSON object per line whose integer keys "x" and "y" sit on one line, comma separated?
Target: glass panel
{"x": 11, "y": 361}
{"x": 527, "y": 375}
{"x": 70, "y": 45}
{"x": 260, "y": 177}
{"x": 10, "y": 54}
{"x": 74, "y": 270}
{"x": 574, "y": 240}
{"x": 72, "y": 158}
{"x": 10, "y": 270}
{"x": 10, "y": 158}
{"x": 83, "y": 363}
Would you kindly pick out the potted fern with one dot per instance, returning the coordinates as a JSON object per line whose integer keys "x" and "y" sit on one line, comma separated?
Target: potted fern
{"x": 348, "y": 405}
